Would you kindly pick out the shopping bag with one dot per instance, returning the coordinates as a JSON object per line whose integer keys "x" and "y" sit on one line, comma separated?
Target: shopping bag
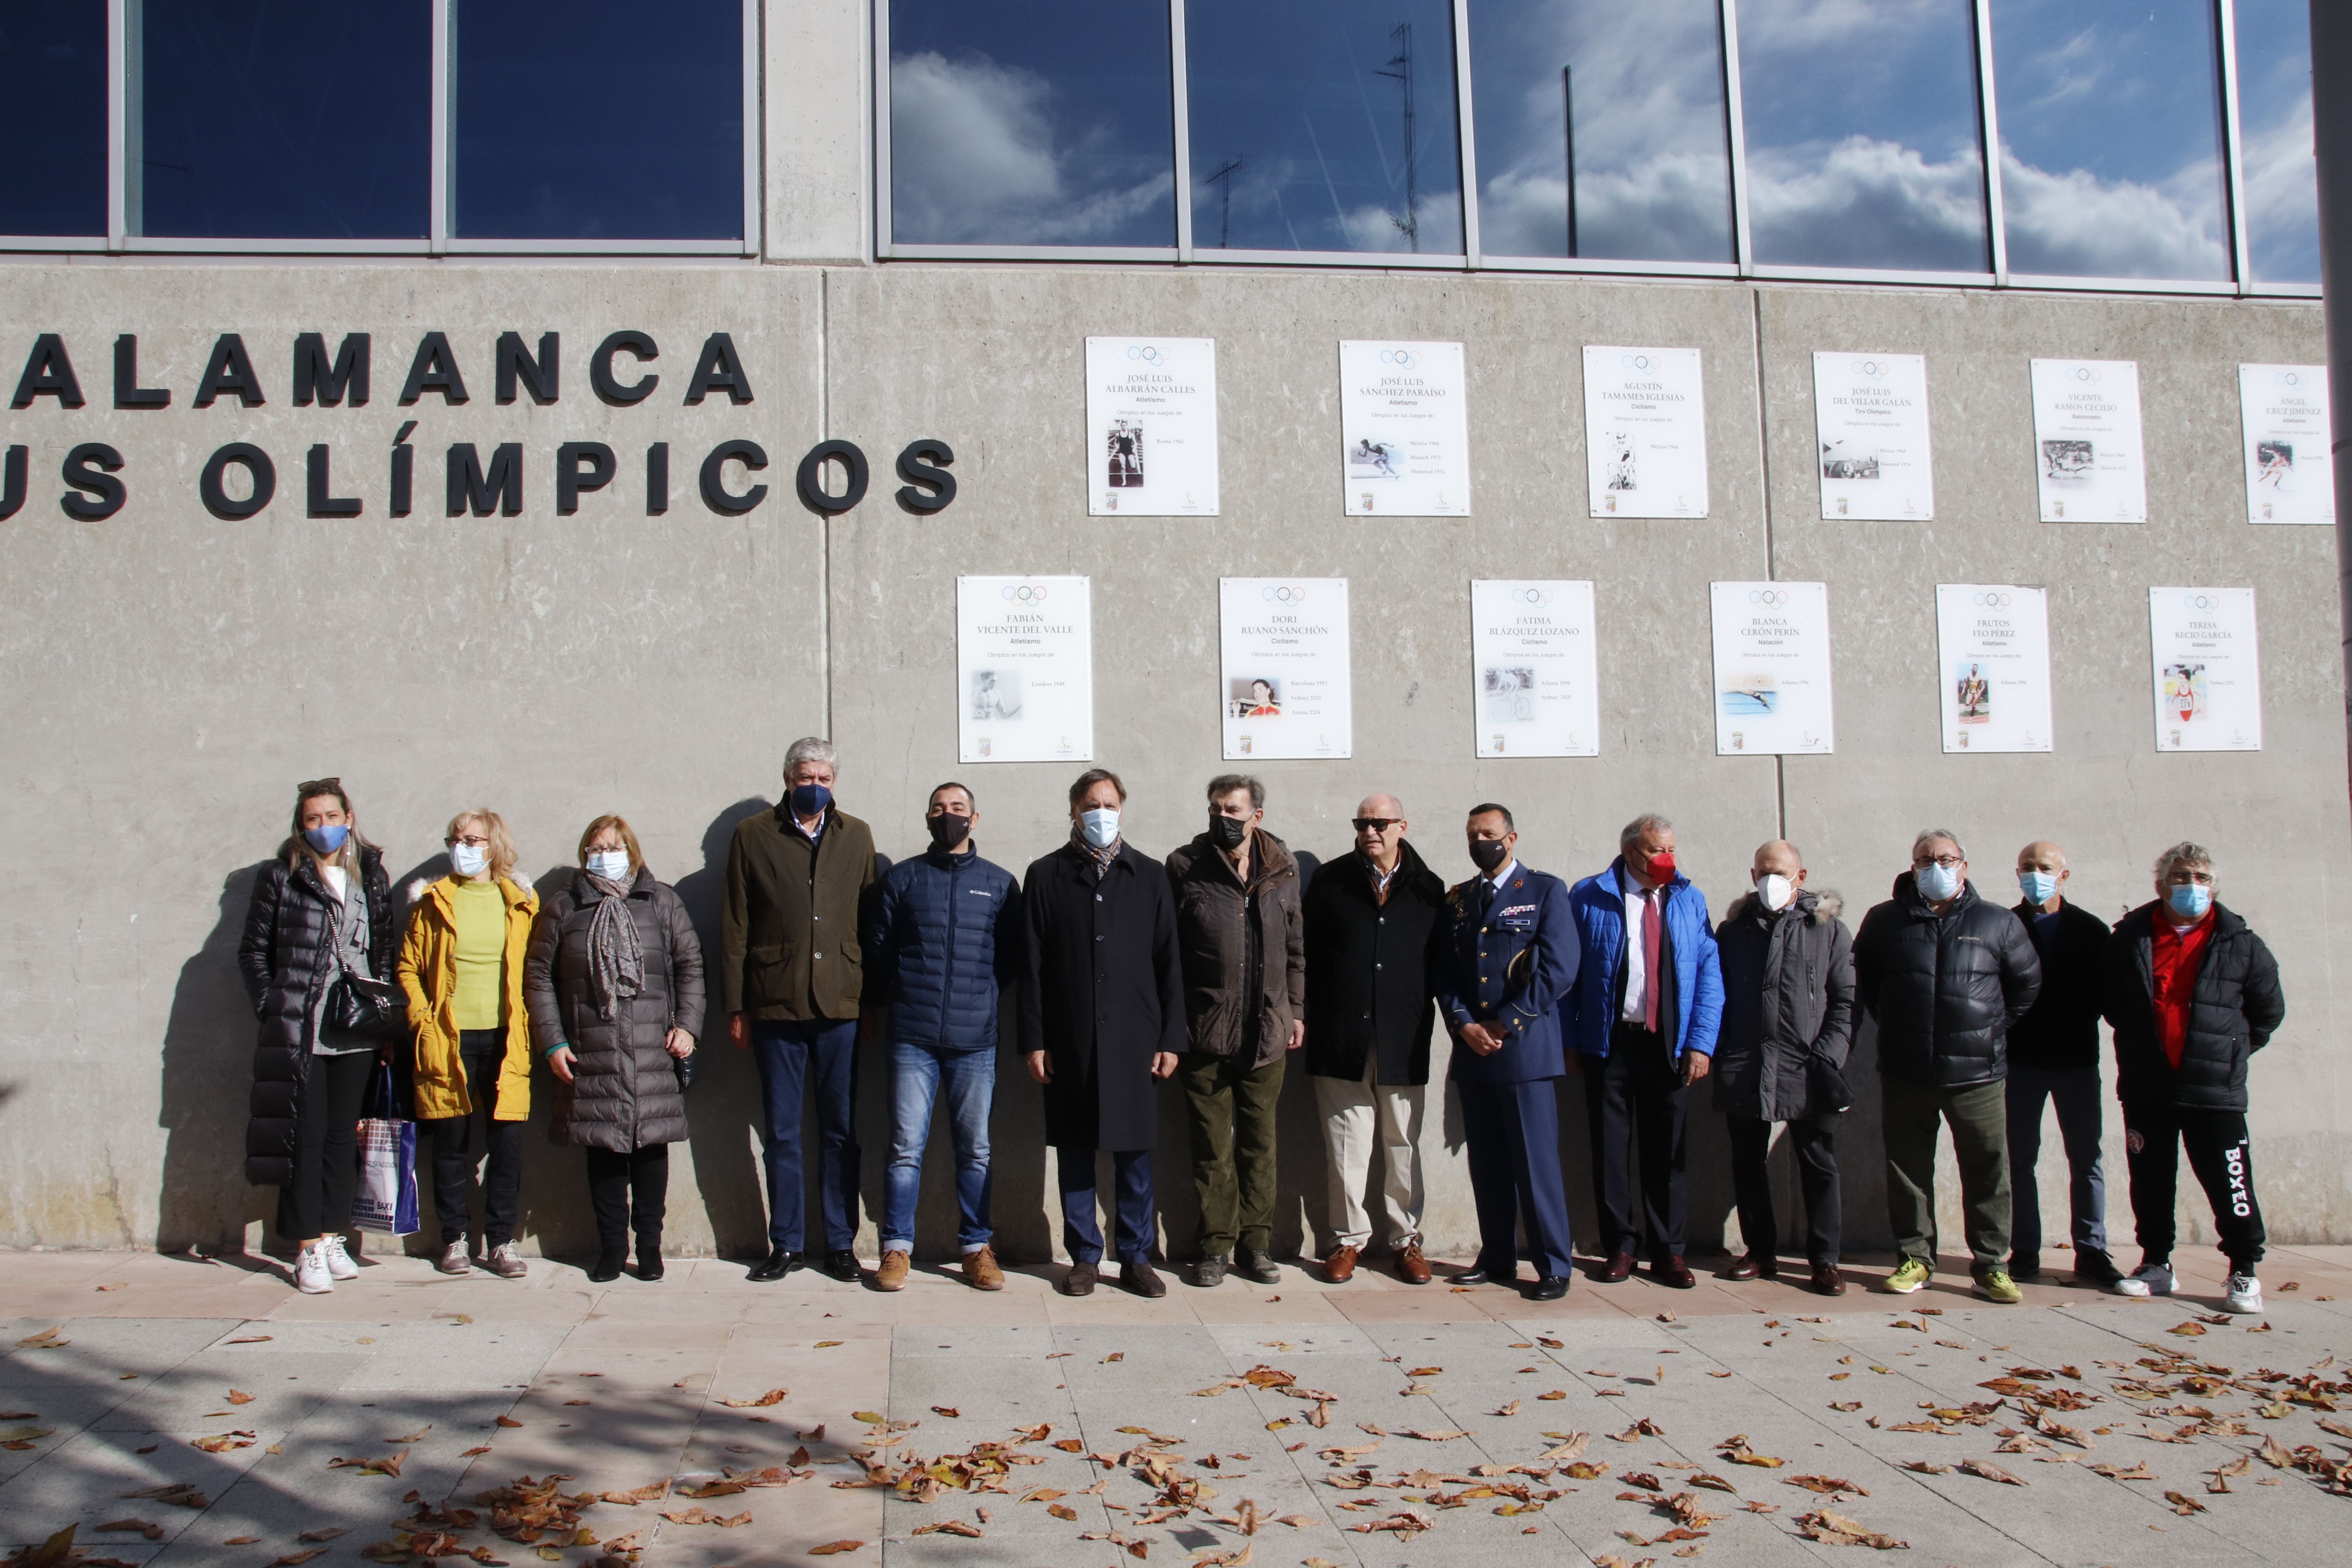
{"x": 386, "y": 1199}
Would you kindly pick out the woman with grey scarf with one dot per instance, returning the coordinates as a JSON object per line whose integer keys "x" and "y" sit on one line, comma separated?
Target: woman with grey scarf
{"x": 615, "y": 980}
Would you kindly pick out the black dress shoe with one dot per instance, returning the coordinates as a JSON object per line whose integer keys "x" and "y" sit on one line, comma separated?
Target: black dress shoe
{"x": 2092, "y": 1267}
{"x": 1209, "y": 1272}
{"x": 1550, "y": 1288}
{"x": 777, "y": 1264}
{"x": 649, "y": 1263}
{"x": 1143, "y": 1280}
{"x": 1471, "y": 1277}
{"x": 842, "y": 1266}
{"x": 2029, "y": 1268}
{"x": 1257, "y": 1265}
{"x": 1080, "y": 1280}
{"x": 607, "y": 1267}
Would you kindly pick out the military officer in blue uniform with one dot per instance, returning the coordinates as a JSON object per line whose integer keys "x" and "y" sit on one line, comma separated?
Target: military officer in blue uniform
{"x": 1503, "y": 955}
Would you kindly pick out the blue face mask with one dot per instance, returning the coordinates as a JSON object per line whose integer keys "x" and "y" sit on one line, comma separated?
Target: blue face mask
{"x": 2189, "y": 900}
{"x": 2039, "y": 886}
{"x": 1936, "y": 883}
{"x": 810, "y": 800}
{"x": 327, "y": 840}
{"x": 1100, "y": 825}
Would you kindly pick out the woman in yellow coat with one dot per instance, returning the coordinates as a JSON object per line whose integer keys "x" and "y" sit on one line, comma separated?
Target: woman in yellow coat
{"x": 461, "y": 964}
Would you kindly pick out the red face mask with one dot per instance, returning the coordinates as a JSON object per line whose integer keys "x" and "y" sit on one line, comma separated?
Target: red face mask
{"x": 1661, "y": 869}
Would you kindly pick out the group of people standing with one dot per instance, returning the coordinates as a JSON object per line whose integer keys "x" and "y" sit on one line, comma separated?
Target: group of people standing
{"x": 1213, "y": 968}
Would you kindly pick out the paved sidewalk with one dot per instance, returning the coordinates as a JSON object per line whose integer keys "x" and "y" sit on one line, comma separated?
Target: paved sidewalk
{"x": 1111, "y": 1430}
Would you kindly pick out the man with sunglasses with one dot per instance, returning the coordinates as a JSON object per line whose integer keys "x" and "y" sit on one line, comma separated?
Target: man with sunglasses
{"x": 1369, "y": 1012}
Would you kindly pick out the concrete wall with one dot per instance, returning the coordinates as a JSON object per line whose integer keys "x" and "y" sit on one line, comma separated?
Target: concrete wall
{"x": 166, "y": 677}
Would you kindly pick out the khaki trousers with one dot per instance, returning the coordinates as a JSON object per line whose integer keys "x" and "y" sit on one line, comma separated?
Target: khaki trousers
{"x": 1356, "y": 1116}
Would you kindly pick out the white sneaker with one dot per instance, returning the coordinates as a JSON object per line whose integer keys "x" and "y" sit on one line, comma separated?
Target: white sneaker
{"x": 2149, "y": 1280}
{"x": 2245, "y": 1294}
{"x": 339, "y": 1261}
{"x": 310, "y": 1275}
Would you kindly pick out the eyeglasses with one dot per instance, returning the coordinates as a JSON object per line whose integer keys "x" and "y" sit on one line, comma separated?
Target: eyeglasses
{"x": 471, "y": 840}
{"x": 1376, "y": 824}
{"x": 1948, "y": 862}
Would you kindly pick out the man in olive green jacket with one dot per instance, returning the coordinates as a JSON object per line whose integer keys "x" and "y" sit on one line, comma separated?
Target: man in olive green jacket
{"x": 790, "y": 979}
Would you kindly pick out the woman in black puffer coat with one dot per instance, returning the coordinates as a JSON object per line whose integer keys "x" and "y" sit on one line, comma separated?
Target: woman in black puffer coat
{"x": 322, "y": 907}
{"x": 613, "y": 980}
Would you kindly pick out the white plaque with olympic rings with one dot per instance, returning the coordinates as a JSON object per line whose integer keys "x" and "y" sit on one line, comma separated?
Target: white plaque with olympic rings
{"x": 1151, "y": 427}
{"x": 2087, "y": 456}
{"x": 1534, "y": 669}
{"x": 2284, "y": 408}
{"x": 2208, "y": 672}
{"x": 1771, "y": 668}
{"x": 1992, "y": 667}
{"x": 1404, "y": 422}
{"x": 1644, "y": 432}
{"x": 1025, "y": 669}
{"x": 1870, "y": 420}
{"x": 1284, "y": 688}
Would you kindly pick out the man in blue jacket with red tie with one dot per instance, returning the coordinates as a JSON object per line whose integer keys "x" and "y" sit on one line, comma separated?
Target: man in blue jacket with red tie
{"x": 1643, "y": 1015}
{"x": 1503, "y": 955}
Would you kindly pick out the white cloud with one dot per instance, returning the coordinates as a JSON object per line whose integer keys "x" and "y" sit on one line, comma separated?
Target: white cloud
{"x": 1867, "y": 202}
{"x": 2283, "y": 196}
{"x": 2075, "y": 225}
{"x": 1675, "y": 206}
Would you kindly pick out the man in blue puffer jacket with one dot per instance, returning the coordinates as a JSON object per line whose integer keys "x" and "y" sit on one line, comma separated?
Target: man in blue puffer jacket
{"x": 1643, "y": 1015}
{"x": 943, "y": 940}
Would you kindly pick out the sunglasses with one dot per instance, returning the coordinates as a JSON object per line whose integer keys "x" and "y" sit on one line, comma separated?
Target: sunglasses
{"x": 1375, "y": 823}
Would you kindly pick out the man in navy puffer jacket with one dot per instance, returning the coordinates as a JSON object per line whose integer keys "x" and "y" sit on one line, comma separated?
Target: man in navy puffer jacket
{"x": 943, "y": 940}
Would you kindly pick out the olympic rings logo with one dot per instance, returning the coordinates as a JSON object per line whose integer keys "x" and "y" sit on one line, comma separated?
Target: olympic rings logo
{"x": 2200, "y": 602}
{"x": 1282, "y": 594}
{"x": 2086, "y": 375}
{"x": 1531, "y": 596}
{"x": 1403, "y": 359}
{"x": 1872, "y": 367}
{"x": 1637, "y": 362}
{"x": 1996, "y": 601}
{"x": 1025, "y": 592}
{"x": 1146, "y": 353}
{"x": 2286, "y": 378}
{"x": 1770, "y": 598}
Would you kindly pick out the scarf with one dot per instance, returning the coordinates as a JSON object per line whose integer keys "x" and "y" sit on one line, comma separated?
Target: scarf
{"x": 1101, "y": 857}
{"x": 617, "y": 957}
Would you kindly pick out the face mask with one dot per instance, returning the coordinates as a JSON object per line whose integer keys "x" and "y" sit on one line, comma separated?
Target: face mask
{"x": 1100, "y": 825}
{"x": 948, "y": 830}
{"x": 2190, "y": 902}
{"x": 1936, "y": 883}
{"x": 2039, "y": 886}
{"x": 1488, "y": 854}
{"x": 1775, "y": 890}
{"x": 810, "y": 800}
{"x": 612, "y": 864}
{"x": 1227, "y": 832}
{"x": 327, "y": 840}
{"x": 469, "y": 860}
{"x": 1662, "y": 867}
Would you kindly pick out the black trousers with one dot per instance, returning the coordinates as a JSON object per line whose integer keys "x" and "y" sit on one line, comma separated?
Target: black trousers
{"x": 2222, "y": 1155}
{"x": 1815, "y": 1143}
{"x": 617, "y": 1182}
{"x": 326, "y": 1146}
{"x": 1634, "y": 1091}
{"x": 1515, "y": 1176}
{"x": 480, "y": 1052}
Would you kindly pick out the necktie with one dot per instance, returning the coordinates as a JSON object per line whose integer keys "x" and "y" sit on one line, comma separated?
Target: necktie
{"x": 1486, "y": 900}
{"x": 1650, "y": 936}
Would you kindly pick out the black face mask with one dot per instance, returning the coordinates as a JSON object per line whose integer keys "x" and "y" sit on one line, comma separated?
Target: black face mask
{"x": 948, "y": 830}
{"x": 1227, "y": 832}
{"x": 1489, "y": 854}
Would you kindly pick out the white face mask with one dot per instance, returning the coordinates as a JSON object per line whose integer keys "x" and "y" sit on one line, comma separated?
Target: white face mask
{"x": 1100, "y": 825}
{"x": 469, "y": 860}
{"x": 1937, "y": 883}
{"x": 612, "y": 864}
{"x": 1776, "y": 890}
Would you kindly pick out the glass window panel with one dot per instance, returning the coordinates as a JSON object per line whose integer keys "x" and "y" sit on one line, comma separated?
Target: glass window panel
{"x": 1324, "y": 125}
{"x": 599, "y": 120}
{"x": 1652, "y": 162}
{"x": 53, "y": 81}
{"x": 2281, "y": 192}
{"x": 1865, "y": 141}
{"x": 1032, "y": 122}
{"x": 284, "y": 119}
{"x": 2111, "y": 159}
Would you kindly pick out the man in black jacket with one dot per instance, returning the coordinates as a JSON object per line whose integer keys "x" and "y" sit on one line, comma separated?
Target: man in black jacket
{"x": 2053, "y": 1055}
{"x": 2192, "y": 994}
{"x": 1369, "y": 1017}
{"x": 1946, "y": 974}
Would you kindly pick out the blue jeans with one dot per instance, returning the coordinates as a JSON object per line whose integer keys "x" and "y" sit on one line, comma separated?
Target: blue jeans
{"x": 2074, "y": 1093}
{"x": 916, "y": 1073}
{"x": 1081, "y": 1231}
{"x": 786, "y": 1050}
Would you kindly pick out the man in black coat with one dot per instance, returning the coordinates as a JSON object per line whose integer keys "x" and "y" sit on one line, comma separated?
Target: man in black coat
{"x": 1369, "y": 1017}
{"x": 2053, "y": 1055}
{"x": 1946, "y": 974}
{"x": 1102, "y": 1020}
{"x": 2192, "y": 994}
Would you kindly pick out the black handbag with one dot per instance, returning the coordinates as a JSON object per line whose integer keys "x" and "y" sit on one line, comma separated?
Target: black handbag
{"x": 1826, "y": 1087}
{"x": 361, "y": 1008}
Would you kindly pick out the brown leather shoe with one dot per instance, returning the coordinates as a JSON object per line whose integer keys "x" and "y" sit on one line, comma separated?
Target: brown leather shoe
{"x": 1827, "y": 1280}
{"x": 1080, "y": 1280}
{"x": 1617, "y": 1270}
{"x": 892, "y": 1274}
{"x": 1339, "y": 1265}
{"x": 1674, "y": 1273}
{"x": 1411, "y": 1266}
{"x": 1753, "y": 1265}
{"x": 981, "y": 1271}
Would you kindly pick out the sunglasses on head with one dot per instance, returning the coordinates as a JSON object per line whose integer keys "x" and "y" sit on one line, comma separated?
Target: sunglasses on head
{"x": 1375, "y": 823}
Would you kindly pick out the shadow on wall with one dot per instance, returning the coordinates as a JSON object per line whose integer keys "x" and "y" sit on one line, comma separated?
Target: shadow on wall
{"x": 722, "y": 1108}
{"x": 208, "y": 1043}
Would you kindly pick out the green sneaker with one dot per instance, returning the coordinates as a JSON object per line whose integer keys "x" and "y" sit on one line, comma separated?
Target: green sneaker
{"x": 1995, "y": 1285}
{"x": 1910, "y": 1275}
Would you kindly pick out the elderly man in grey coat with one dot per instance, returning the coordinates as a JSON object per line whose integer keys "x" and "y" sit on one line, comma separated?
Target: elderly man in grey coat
{"x": 1788, "y": 1020}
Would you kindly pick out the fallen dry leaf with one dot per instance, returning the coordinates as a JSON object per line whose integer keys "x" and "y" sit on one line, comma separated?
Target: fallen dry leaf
{"x": 949, "y": 1410}
{"x": 296, "y": 1559}
{"x": 1061, "y": 1511}
{"x": 950, "y": 1527}
{"x": 508, "y": 1421}
{"x": 826, "y": 1345}
{"x": 473, "y": 1453}
{"x": 1926, "y": 1468}
{"x": 227, "y": 1442}
{"x": 2183, "y": 1504}
{"x": 1991, "y": 1472}
{"x": 316, "y": 1537}
{"x": 152, "y": 1531}
{"x": 773, "y": 1396}
{"x": 239, "y": 1397}
{"x": 46, "y": 1340}
{"x": 831, "y": 1548}
{"x": 387, "y": 1466}
{"x": 1837, "y": 1529}
{"x": 1825, "y": 1484}
{"x": 2192, "y": 1328}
